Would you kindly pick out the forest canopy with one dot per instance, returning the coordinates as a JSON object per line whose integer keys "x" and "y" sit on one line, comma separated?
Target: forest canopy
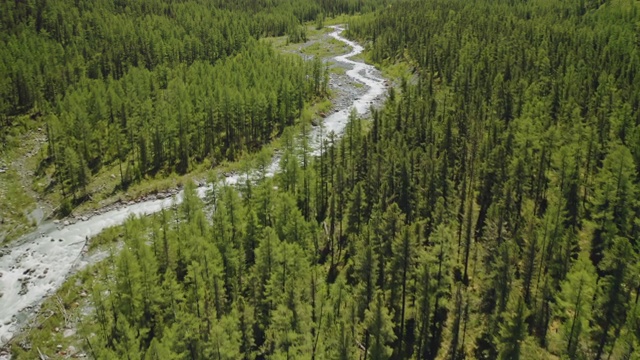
{"x": 489, "y": 210}
{"x": 153, "y": 86}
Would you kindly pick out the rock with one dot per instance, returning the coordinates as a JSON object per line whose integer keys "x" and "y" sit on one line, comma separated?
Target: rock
{"x": 59, "y": 347}
{"x": 56, "y": 221}
{"x": 69, "y": 332}
{"x": 83, "y": 294}
{"x": 84, "y": 218}
{"x": 24, "y": 289}
{"x": 1, "y": 295}
{"x": 59, "y": 240}
{"x": 66, "y": 223}
{"x": 25, "y": 345}
{"x": 113, "y": 176}
{"x": 52, "y": 239}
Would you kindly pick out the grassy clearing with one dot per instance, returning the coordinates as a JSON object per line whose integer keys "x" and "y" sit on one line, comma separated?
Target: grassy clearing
{"x": 19, "y": 157}
{"x": 15, "y": 204}
{"x": 395, "y": 70}
{"x": 317, "y": 45}
{"x": 338, "y": 20}
{"x": 338, "y": 70}
{"x": 327, "y": 48}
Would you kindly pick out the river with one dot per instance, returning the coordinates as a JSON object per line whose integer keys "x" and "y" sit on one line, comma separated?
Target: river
{"x": 34, "y": 266}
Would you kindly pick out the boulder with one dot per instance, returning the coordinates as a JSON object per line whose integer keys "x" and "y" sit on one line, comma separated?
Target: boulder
{"x": 24, "y": 289}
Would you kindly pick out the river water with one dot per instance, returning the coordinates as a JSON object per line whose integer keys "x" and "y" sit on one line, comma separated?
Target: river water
{"x": 34, "y": 266}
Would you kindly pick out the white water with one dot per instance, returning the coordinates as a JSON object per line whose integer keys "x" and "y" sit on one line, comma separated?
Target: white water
{"x": 47, "y": 256}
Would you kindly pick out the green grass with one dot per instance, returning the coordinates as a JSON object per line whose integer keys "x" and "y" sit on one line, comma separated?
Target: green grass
{"x": 328, "y": 47}
{"x": 339, "y": 70}
{"x": 337, "y": 20}
{"x": 15, "y": 204}
{"x": 317, "y": 44}
{"x": 395, "y": 70}
{"x": 15, "y": 201}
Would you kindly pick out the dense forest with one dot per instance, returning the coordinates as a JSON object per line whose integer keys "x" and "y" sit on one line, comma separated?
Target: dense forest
{"x": 489, "y": 210}
{"x": 153, "y": 86}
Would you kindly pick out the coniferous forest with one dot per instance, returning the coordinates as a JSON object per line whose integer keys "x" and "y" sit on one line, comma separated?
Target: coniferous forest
{"x": 154, "y": 86}
{"x": 489, "y": 209}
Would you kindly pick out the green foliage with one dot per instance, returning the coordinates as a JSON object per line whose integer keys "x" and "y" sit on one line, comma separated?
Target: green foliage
{"x": 379, "y": 329}
{"x": 152, "y": 88}
{"x": 574, "y": 306}
{"x": 489, "y": 212}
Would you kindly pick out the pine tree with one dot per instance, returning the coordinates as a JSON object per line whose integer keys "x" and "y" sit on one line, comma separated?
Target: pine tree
{"x": 514, "y": 329}
{"x": 574, "y": 303}
{"x": 613, "y": 293}
{"x": 378, "y": 328}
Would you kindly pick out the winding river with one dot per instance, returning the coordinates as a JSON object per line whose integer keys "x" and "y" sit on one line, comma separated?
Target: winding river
{"x": 34, "y": 266}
